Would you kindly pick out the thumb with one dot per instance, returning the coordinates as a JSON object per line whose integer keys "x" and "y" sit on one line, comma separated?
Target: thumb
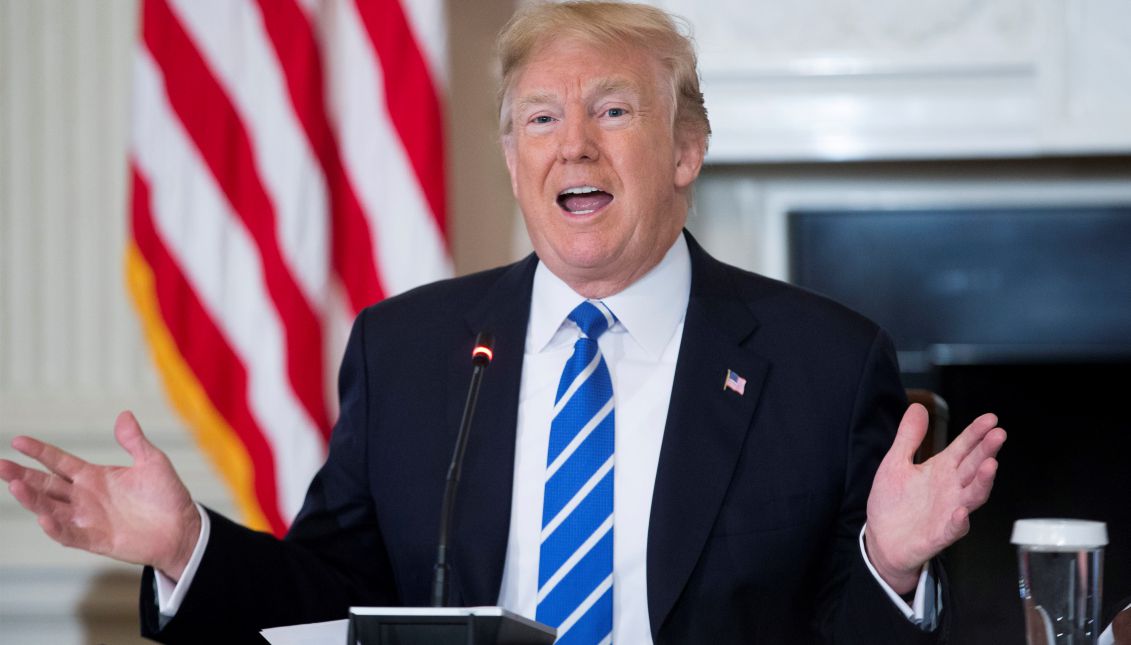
{"x": 129, "y": 436}
{"x": 910, "y": 435}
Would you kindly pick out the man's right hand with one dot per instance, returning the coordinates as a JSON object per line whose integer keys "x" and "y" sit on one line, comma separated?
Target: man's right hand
{"x": 141, "y": 514}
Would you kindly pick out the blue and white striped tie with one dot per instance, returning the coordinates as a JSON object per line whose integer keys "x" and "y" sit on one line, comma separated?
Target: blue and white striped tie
{"x": 575, "y": 566}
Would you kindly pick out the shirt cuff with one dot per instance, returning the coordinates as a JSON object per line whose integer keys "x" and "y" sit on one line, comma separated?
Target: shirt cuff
{"x": 925, "y": 607}
{"x": 170, "y": 594}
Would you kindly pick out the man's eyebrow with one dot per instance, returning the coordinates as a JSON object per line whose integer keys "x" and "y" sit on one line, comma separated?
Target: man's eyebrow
{"x": 538, "y": 98}
{"x": 599, "y": 88}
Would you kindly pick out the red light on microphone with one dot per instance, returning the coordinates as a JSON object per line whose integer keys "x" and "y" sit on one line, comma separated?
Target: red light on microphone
{"x": 483, "y": 352}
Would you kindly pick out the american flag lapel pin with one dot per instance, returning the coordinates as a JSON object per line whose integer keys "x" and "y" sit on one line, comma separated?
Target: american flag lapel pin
{"x": 734, "y": 382}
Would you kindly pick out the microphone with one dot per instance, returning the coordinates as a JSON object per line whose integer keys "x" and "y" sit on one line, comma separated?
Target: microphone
{"x": 481, "y": 356}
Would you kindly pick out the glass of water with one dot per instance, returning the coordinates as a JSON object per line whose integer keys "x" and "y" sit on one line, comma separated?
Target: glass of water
{"x": 1061, "y": 577}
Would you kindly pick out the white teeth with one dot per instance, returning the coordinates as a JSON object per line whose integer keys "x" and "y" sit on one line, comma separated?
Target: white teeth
{"x": 579, "y": 190}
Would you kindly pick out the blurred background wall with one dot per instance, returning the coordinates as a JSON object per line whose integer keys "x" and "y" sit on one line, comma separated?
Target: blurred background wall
{"x": 815, "y": 104}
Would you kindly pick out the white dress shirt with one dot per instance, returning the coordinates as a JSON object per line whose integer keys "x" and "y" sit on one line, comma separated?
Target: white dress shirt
{"x": 640, "y": 351}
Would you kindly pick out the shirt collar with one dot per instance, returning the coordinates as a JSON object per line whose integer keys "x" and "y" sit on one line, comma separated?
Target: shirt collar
{"x": 650, "y": 309}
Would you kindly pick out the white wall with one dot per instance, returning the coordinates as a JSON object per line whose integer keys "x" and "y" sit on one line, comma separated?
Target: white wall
{"x": 71, "y": 354}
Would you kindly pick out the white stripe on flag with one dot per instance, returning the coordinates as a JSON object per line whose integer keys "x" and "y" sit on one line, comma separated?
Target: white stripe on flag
{"x": 231, "y": 37}
{"x": 337, "y": 320}
{"x": 428, "y": 23}
{"x": 219, "y": 260}
{"x": 408, "y": 245}
{"x": 310, "y": 8}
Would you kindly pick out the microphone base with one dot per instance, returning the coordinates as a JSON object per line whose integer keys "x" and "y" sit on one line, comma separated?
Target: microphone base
{"x": 444, "y": 626}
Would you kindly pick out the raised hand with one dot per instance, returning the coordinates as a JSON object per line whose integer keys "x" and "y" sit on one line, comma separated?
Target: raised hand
{"x": 141, "y": 514}
{"x": 917, "y": 510}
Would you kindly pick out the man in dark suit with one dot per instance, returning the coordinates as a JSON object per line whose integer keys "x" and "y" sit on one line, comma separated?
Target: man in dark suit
{"x": 751, "y": 418}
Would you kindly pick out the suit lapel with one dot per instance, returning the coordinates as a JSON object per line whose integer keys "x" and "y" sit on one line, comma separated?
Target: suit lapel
{"x": 705, "y": 431}
{"x": 483, "y": 505}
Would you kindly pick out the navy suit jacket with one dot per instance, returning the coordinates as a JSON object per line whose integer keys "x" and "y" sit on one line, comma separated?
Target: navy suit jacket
{"x": 758, "y": 503}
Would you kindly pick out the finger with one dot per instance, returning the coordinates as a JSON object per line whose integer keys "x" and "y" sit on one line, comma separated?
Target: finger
{"x": 55, "y": 459}
{"x": 37, "y": 501}
{"x": 965, "y": 442}
{"x": 48, "y": 484}
{"x": 52, "y": 485}
{"x": 128, "y": 433}
{"x": 979, "y": 489}
{"x": 910, "y": 434}
{"x": 11, "y": 471}
{"x": 986, "y": 449}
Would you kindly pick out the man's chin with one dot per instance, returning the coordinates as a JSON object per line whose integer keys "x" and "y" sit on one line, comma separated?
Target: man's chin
{"x": 587, "y": 266}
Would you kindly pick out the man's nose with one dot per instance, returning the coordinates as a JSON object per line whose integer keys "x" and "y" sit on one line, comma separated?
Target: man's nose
{"x": 577, "y": 142}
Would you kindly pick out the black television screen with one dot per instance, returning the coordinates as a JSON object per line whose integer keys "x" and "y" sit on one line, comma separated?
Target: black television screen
{"x": 975, "y": 285}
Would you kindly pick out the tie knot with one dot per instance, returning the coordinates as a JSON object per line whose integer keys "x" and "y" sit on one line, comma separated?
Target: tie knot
{"x": 593, "y": 317}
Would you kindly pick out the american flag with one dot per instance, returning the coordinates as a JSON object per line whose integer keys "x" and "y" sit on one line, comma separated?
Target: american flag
{"x": 287, "y": 170}
{"x": 734, "y": 382}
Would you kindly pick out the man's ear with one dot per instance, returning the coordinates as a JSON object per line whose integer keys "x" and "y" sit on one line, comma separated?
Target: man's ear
{"x": 690, "y": 148}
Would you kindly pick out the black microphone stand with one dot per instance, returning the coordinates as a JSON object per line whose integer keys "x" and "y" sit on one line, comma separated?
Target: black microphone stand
{"x": 480, "y": 358}
{"x": 441, "y": 624}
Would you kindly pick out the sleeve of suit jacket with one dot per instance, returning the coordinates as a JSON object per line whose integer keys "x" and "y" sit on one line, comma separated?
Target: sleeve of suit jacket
{"x": 781, "y": 563}
{"x": 853, "y": 607}
{"x": 333, "y": 557}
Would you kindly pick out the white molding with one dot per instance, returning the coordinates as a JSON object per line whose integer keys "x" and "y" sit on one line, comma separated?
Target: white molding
{"x": 744, "y": 220}
{"x": 932, "y": 194}
{"x": 811, "y": 80}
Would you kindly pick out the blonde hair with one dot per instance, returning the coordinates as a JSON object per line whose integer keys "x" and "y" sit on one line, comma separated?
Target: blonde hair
{"x": 609, "y": 24}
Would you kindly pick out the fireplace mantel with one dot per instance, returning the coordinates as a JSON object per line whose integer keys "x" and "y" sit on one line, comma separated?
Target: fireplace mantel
{"x": 814, "y": 80}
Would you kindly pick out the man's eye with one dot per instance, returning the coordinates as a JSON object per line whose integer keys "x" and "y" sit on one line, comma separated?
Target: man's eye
{"x": 616, "y": 112}
{"x": 541, "y": 119}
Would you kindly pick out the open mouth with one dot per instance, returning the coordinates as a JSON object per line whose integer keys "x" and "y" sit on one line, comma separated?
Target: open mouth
{"x": 583, "y": 200}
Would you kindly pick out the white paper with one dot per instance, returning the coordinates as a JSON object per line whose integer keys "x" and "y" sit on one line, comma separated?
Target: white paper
{"x": 333, "y": 632}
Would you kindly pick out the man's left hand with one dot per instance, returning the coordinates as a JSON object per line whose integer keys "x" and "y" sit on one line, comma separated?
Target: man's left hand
{"x": 917, "y": 510}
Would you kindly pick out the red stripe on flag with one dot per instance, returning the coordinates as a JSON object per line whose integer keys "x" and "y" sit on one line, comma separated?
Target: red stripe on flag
{"x": 220, "y": 372}
{"x": 352, "y": 251}
{"x": 410, "y": 95}
{"x": 214, "y": 126}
